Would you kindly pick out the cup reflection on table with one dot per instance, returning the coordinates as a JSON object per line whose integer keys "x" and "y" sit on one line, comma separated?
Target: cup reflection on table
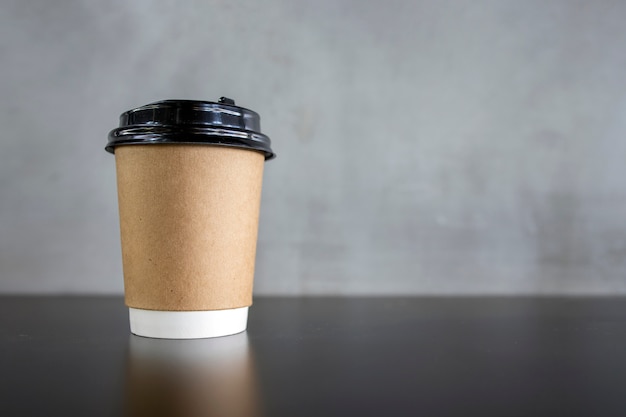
{"x": 203, "y": 377}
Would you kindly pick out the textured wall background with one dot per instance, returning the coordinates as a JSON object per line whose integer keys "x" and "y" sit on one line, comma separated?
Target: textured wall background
{"x": 427, "y": 147}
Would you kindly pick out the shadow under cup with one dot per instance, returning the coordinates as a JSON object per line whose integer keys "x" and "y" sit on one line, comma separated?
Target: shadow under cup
{"x": 191, "y": 378}
{"x": 189, "y": 178}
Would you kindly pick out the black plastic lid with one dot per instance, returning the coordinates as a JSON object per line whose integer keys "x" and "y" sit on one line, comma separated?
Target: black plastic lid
{"x": 191, "y": 121}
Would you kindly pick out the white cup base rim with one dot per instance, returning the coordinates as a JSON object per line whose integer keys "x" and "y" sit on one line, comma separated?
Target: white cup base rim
{"x": 187, "y": 324}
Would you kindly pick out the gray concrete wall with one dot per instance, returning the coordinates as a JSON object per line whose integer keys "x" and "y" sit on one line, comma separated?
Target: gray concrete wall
{"x": 425, "y": 147}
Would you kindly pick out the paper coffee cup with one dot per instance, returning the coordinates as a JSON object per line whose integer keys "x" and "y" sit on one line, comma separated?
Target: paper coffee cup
{"x": 189, "y": 177}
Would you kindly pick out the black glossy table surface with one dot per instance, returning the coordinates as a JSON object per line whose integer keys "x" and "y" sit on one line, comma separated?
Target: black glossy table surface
{"x": 500, "y": 357}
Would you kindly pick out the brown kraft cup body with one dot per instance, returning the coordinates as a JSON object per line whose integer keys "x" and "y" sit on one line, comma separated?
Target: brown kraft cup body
{"x": 189, "y": 219}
